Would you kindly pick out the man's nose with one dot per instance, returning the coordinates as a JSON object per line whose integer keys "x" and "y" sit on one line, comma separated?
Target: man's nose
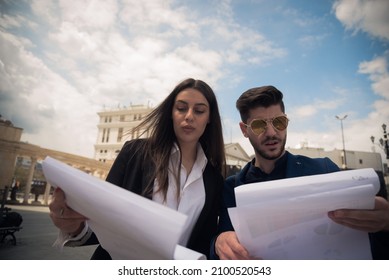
{"x": 270, "y": 130}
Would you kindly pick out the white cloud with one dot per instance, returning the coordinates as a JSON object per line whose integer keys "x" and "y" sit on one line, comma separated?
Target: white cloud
{"x": 305, "y": 111}
{"x": 78, "y": 56}
{"x": 40, "y": 101}
{"x": 124, "y": 62}
{"x": 18, "y": 42}
{"x": 74, "y": 42}
{"x": 312, "y": 41}
{"x": 316, "y": 107}
{"x": 370, "y": 16}
{"x": 314, "y": 139}
{"x": 90, "y": 14}
{"x": 147, "y": 17}
{"x": 7, "y": 21}
{"x": 95, "y": 53}
{"x": 46, "y": 11}
{"x": 357, "y": 132}
{"x": 377, "y": 70}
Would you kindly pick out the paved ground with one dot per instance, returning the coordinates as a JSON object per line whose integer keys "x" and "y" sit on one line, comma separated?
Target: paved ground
{"x": 34, "y": 241}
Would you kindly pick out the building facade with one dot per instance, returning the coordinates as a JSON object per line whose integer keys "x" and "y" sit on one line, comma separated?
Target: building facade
{"x": 354, "y": 159}
{"x": 8, "y": 134}
{"x": 115, "y": 127}
{"x": 13, "y": 152}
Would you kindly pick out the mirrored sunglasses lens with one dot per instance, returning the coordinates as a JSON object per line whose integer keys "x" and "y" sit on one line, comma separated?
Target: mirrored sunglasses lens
{"x": 258, "y": 126}
{"x": 280, "y": 123}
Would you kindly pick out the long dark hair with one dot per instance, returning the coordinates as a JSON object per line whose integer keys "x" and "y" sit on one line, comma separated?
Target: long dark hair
{"x": 159, "y": 126}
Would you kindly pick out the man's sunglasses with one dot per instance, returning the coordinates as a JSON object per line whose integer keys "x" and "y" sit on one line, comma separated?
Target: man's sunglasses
{"x": 259, "y": 126}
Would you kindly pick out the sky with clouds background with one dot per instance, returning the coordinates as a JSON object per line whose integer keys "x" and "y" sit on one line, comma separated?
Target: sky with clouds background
{"x": 62, "y": 61}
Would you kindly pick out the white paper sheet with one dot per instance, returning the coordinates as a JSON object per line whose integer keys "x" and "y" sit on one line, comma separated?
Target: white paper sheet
{"x": 127, "y": 225}
{"x": 183, "y": 253}
{"x": 287, "y": 219}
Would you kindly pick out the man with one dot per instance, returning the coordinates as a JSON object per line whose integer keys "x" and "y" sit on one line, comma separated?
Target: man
{"x": 264, "y": 123}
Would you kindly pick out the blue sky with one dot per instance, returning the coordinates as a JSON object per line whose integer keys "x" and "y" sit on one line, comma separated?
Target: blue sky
{"x": 63, "y": 61}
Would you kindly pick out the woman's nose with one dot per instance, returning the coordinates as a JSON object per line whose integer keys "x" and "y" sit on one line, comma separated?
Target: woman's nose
{"x": 189, "y": 115}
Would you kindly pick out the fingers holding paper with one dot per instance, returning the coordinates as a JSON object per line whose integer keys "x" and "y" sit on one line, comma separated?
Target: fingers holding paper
{"x": 373, "y": 220}
{"x": 228, "y": 247}
{"x": 64, "y": 217}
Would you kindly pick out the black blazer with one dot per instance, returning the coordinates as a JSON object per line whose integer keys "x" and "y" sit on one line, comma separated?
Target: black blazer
{"x": 130, "y": 171}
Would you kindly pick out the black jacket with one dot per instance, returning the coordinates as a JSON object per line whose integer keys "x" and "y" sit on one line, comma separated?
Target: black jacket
{"x": 130, "y": 171}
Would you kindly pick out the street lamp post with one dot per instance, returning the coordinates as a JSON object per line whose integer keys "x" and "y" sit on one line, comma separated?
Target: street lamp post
{"x": 344, "y": 148}
{"x": 383, "y": 143}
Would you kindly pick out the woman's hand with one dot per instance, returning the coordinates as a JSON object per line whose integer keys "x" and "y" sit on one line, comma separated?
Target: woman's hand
{"x": 63, "y": 217}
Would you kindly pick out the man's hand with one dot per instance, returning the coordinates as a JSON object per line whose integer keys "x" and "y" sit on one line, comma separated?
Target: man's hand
{"x": 373, "y": 220}
{"x": 227, "y": 247}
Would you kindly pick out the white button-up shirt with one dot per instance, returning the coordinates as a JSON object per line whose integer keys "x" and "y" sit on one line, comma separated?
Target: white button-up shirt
{"x": 192, "y": 192}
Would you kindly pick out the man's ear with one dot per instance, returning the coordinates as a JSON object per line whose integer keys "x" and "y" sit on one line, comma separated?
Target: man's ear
{"x": 243, "y": 128}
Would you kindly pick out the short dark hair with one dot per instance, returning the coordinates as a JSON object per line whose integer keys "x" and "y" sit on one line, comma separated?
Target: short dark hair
{"x": 264, "y": 96}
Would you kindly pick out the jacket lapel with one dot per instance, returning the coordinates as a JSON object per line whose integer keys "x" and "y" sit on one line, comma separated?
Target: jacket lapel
{"x": 295, "y": 167}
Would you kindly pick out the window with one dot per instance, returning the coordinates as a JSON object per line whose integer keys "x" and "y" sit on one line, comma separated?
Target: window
{"x": 102, "y": 138}
{"x": 107, "y": 138}
{"x": 135, "y": 133}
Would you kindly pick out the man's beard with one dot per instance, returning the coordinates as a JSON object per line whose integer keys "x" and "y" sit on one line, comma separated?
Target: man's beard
{"x": 265, "y": 155}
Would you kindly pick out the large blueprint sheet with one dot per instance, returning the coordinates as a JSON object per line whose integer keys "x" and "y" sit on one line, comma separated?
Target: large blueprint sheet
{"x": 287, "y": 219}
{"x": 127, "y": 225}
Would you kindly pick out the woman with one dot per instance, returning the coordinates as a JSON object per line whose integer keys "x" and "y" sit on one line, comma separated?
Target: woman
{"x": 185, "y": 136}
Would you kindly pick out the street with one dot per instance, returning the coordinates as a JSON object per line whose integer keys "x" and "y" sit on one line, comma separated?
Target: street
{"x": 35, "y": 239}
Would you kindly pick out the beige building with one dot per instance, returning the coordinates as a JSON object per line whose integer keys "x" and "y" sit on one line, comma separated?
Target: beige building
{"x": 354, "y": 159}
{"x": 12, "y": 148}
{"x": 115, "y": 127}
{"x": 8, "y": 134}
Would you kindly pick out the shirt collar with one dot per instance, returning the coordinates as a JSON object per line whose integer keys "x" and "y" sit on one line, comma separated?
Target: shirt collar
{"x": 255, "y": 174}
{"x": 201, "y": 159}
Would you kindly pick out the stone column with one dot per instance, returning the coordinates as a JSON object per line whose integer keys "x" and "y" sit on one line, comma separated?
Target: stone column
{"x": 29, "y": 180}
{"x": 47, "y": 194}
